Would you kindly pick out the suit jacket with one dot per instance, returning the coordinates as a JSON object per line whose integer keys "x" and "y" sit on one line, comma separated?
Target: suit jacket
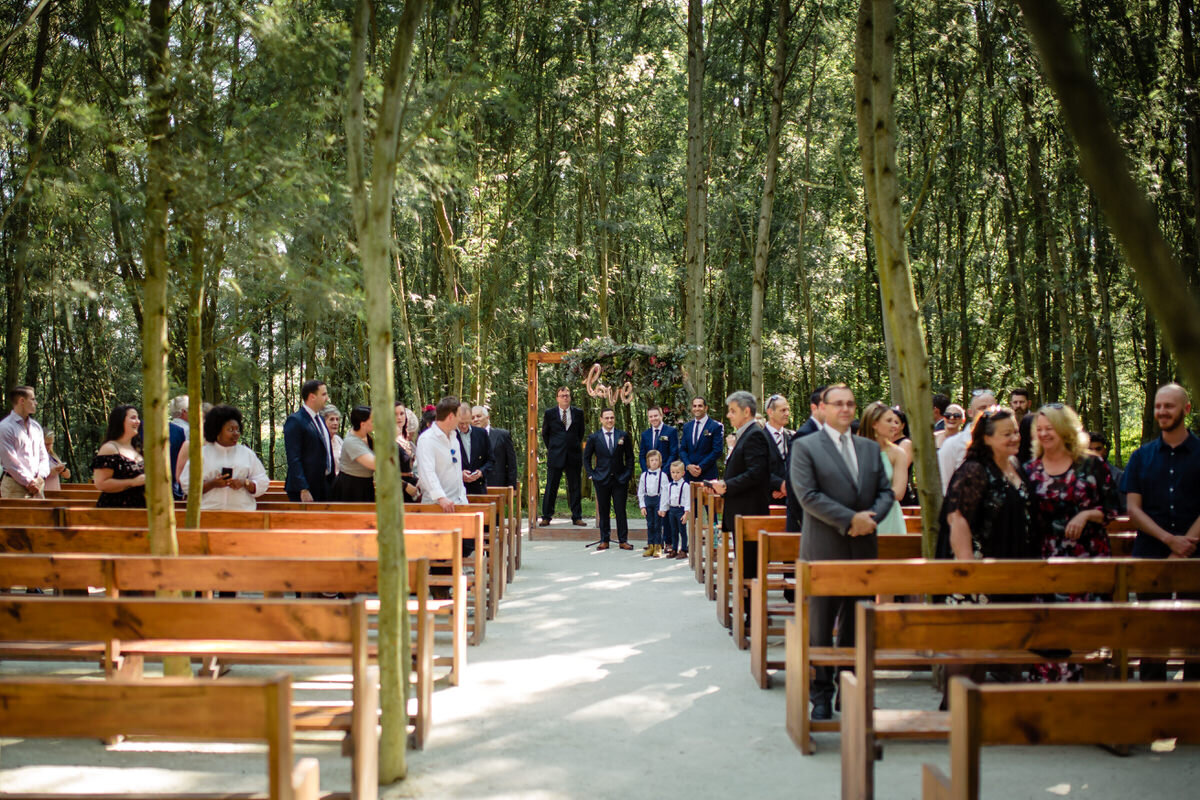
{"x": 305, "y": 440}
{"x": 777, "y": 461}
{"x": 612, "y": 467}
{"x": 503, "y": 470}
{"x": 795, "y": 514}
{"x": 562, "y": 443}
{"x": 748, "y": 477}
{"x": 830, "y": 498}
{"x": 667, "y": 444}
{"x": 706, "y": 451}
{"x": 481, "y": 456}
{"x": 810, "y": 426}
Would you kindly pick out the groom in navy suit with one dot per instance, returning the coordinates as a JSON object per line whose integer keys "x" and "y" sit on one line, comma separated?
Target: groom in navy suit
{"x": 309, "y": 450}
{"x": 659, "y": 436}
{"x": 702, "y": 443}
{"x": 612, "y": 452}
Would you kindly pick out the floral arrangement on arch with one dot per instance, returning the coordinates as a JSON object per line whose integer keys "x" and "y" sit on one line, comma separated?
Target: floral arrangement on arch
{"x": 655, "y": 372}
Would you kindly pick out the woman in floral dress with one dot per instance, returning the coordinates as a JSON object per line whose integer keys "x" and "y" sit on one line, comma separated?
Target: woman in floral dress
{"x": 118, "y": 470}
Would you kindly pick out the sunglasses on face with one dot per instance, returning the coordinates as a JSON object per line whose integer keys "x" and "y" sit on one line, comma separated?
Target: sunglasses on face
{"x": 953, "y": 416}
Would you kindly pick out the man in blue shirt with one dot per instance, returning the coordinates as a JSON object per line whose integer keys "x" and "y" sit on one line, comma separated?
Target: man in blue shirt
{"x": 1162, "y": 486}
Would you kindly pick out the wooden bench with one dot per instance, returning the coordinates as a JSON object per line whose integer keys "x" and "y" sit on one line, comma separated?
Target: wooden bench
{"x": 1116, "y": 577}
{"x": 275, "y": 544}
{"x": 1080, "y": 713}
{"x": 239, "y": 710}
{"x": 249, "y": 628}
{"x": 511, "y": 526}
{"x": 211, "y": 574}
{"x": 1006, "y": 632}
{"x": 731, "y": 580}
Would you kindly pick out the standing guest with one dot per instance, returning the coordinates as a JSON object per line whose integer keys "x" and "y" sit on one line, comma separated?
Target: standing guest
{"x": 652, "y": 500}
{"x": 58, "y": 470}
{"x": 659, "y": 436}
{"x": 118, "y": 470}
{"x": 747, "y": 486}
{"x": 355, "y": 481}
{"x": 1160, "y": 484}
{"x": 678, "y": 510}
{"x": 988, "y": 512}
{"x": 778, "y": 416}
{"x": 233, "y": 475}
{"x": 901, "y": 439}
{"x": 954, "y": 448}
{"x": 1018, "y": 399}
{"x": 880, "y": 424}
{"x": 23, "y": 453}
{"x": 439, "y": 460}
{"x": 184, "y": 452}
{"x": 1074, "y": 498}
{"x": 477, "y": 452}
{"x": 940, "y": 403}
{"x": 608, "y": 459}
{"x": 952, "y": 423}
{"x": 1098, "y": 445}
{"x": 428, "y": 415}
{"x": 701, "y": 444}
{"x": 406, "y": 423}
{"x": 562, "y": 433}
{"x": 843, "y": 488}
{"x": 816, "y": 415}
{"x": 179, "y": 432}
{"x": 503, "y": 470}
{"x": 309, "y": 449}
{"x": 332, "y": 418}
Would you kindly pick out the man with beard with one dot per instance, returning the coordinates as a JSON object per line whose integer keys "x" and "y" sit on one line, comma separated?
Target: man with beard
{"x": 1162, "y": 482}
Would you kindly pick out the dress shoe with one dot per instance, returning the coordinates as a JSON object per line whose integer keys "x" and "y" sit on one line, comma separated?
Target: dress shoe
{"x": 601, "y": 546}
{"x": 578, "y": 522}
{"x": 626, "y": 546}
{"x": 681, "y": 554}
{"x": 544, "y": 522}
{"x": 821, "y": 710}
{"x": 668, "y": 553}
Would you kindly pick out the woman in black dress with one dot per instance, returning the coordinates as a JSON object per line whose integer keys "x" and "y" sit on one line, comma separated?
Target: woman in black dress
{"x": 118, "y": 470}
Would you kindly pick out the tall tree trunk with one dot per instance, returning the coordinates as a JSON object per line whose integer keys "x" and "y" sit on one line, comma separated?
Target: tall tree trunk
{"x": 372, "y": 206}
{"x": 697, "y": 202}
{"x": 762, "y": 244}
{"x": 195, "y": 376}
{"x": 410, "y": 354}
{"x": 448, "y": 259}
{"x": 874, "y": 55}
{"x": 1105, "y": 167}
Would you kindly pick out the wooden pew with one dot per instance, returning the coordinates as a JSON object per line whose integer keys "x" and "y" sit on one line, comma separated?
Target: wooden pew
{"x": 777, "y": 556}
{"x": 1116, "y": 577}
{"x": 244, "y": 574}
{"x": 231, "y": 709}
{"x": 511, "y": 526}
{"x": 287, "y": 544}
{"x": 155, "y": 627}
{"x": 1075, "y": 713}
{"x": 731, "y": 584}
{"x": 987, "y": 634}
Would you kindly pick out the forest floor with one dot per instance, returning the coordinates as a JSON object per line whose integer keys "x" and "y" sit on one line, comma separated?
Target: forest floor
{"x": 606, "y": 675}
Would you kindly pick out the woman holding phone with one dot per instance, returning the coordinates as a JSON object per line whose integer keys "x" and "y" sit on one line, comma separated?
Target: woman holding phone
{"x": 233, "y": 475}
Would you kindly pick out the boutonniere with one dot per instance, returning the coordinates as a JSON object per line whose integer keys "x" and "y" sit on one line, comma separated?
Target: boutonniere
{"x": 708, "y": 433}
{"x": 620, "y": 441}
{"x": 663, "y": 438}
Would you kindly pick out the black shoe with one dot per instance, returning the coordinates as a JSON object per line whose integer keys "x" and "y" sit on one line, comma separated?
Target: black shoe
{"x": 544, "y": 522}
{"x": 837, "y": 702}
{"x": 821, "y": 710}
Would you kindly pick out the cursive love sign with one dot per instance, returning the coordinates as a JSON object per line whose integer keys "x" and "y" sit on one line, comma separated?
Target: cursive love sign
{"x": 597, "y": 389}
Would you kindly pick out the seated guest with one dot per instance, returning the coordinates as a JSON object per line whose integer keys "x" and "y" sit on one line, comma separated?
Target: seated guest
{"x": 58, "y": 470}
{"x": 333, "y": 421}
{"x": 233, "y": 475}
{"x": 405, "y": 424}
{"x": 118, "y": 470}
{"x": 356, "y": 468}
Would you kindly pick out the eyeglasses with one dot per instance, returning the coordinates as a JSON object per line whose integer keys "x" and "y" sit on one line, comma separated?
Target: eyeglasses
{"x": 952, "y": 416}
{"x": 978, "y": 392}
{"x": 1054, "y": 406}
{"x": 843, "y": 404}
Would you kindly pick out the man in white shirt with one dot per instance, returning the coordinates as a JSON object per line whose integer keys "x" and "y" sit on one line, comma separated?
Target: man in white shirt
{"x": 23, "y": 453}
{"x": 439, "y": 458}
{"x": 778, "y": 416}
{"x": 954, "y": 449}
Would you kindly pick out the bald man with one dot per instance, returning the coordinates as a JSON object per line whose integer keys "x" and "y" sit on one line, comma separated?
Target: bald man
{"x": 1162, "y": 482}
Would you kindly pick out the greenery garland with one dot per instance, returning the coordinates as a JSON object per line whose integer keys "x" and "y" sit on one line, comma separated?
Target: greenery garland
{"x": 654, "y": 371}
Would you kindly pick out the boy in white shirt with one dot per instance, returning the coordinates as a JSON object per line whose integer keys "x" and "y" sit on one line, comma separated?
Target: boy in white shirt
{"x": 652, "y": 500}
{"x": 678, "y": 512}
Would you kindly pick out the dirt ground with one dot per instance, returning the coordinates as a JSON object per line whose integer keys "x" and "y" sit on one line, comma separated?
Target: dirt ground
{"x": 605, "y": 675}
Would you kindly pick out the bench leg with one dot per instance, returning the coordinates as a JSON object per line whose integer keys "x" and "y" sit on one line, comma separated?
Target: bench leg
{"x": 424, "y": 692}
{"x": 858, "y": 743}
{"x": 364, "y": 757}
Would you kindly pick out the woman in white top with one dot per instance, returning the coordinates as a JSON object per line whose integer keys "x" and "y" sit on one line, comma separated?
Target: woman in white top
{"x": 333, "y": 421}
{"x": 233, "y": 475}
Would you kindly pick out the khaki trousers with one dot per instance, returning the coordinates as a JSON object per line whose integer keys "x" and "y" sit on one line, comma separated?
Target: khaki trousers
{"x": 9, "y": 488}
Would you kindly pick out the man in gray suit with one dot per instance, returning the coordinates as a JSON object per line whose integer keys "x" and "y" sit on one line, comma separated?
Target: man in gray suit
{"x": 839, "y": 481}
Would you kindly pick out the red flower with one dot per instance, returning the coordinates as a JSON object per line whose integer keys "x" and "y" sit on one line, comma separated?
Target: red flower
{"x": 656, "y": 384}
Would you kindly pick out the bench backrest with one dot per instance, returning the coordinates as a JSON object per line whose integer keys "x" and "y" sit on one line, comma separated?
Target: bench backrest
{"x": 229, "y": 709}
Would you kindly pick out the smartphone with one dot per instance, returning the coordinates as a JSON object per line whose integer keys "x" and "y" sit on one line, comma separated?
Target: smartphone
{"x": 227, "y": 473}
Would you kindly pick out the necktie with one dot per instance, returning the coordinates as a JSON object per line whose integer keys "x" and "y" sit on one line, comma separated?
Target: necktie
{"x": 848, "y": 456}
{"x": 562, "y": 412}
{"x": 466, "y": 446}
{"x": 779, "y": 443}
{"x": 655, "y": 442}
{"x": 323, "y": 431}
{"x": 695, "y": 433}
{"x": 608, "y": 437}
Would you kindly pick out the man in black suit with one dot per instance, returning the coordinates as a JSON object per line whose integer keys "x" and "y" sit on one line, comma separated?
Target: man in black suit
{"x": 562, "y": 432}
{"x": 747, "y": 484}
{"x": 503, "y": 470}
{"x": 476, "y": 450}
{"x": 612, "y": 452}
{"x": 309, "y": 449}
{"x": 816, "y": 418}
{"x": 778, "y": 435}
